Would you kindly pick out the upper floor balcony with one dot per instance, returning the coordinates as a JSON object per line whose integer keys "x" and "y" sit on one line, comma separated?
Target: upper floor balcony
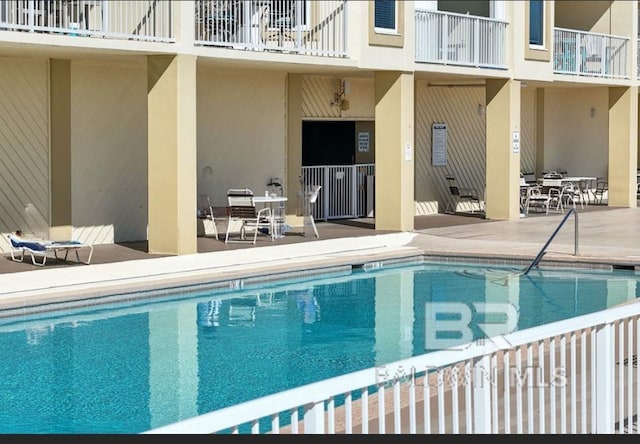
{"x": 458, "y": 39}
{"x": 581, "y": 53}
{"x": 293, "y": 26}
{"x": 145, "y": 20}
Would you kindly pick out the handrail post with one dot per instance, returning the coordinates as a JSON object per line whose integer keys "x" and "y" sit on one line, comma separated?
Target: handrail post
{"x": 544, "y": 248}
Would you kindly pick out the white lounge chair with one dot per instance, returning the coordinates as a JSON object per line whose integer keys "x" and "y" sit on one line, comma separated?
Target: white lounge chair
{"x": 40, "y": 248}
{"x": 242, "y": 210}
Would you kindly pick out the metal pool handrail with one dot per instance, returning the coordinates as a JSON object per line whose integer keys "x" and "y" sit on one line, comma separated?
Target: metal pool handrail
{"x": 575, "y": 239}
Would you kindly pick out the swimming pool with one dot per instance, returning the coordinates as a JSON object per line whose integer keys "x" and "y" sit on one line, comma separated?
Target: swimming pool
{"x": 131, "y": 367}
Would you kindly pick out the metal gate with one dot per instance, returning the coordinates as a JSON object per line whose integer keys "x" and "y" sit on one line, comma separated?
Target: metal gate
{"x": 347, "y": 190}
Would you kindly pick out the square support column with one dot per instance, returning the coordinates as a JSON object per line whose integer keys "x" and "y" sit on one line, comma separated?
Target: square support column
{"x": 502, "y": 193}
{"x": 171, "y": 84}
{"x": 623, "y": 146}
{"x": 394, "y": 135}
{"x": 293, "y": 186}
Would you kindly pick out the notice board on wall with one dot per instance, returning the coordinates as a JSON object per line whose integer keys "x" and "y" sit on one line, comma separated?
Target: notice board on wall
{"x": 439, "y": 144}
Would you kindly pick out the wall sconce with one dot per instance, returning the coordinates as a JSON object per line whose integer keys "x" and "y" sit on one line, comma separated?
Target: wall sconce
{"x": 339, "y": 98}
{"x": 592, "y": 112}
{"x": 480, "y": 109}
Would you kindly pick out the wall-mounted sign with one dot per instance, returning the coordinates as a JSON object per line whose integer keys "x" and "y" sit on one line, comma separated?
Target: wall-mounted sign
{"x": 515, "y": 142}
{"x": 439, "y": 144}
{"x": 363, "y": 142}
{"x": 407, "y": 152}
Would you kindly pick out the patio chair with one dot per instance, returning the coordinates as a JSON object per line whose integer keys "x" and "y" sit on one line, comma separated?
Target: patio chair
{"x": 311, "y": 197}
{"x": 205, "y": 212}
{"x": 459, "y": 195}
{"x": 600, "y": 190}
{"x": 21, "y": 246}
{"x": 545, "y": 197}
{"x": 570, "y": 193}
{"x": 242, "y": 210}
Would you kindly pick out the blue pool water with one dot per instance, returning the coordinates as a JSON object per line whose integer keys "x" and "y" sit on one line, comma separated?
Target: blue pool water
{"x": 127, "y": 368}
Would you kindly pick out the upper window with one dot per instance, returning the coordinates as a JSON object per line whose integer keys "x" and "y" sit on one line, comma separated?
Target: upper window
{"x": 385, "y": 16}
{"x": 536, "y": 22}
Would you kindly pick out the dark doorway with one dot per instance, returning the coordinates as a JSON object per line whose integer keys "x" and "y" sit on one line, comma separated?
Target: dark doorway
{"x": 328, "y": 143}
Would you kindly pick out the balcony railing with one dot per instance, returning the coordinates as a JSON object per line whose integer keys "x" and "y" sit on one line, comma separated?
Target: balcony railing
{"x": 590, "y": 54}
{"x": 147, "y": 20}
{"x": 457, "y": 39}
{"x": 294, "y": 26}
{"x": 574, "y": 376}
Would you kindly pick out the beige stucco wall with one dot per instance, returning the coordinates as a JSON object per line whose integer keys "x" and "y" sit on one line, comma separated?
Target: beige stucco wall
{"x": 370, "y": 48}
{"x": 593, "y": 15}
{"x": 109, "y": 151}
{"x": 241, "y": 131}
{"x": 573, "y": 139}
{"x": 528, "y": 63}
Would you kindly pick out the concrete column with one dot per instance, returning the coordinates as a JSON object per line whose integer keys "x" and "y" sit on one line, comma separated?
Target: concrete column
{"x": 171, "y": 84}
{"x": 539, "y": 131}
{"x": 623, "y": 146}
{"x": 394, "y": 135}
{"x": 60, "y": 97}
{"x": 503, "y": 160}
{"x": 292, "y": 185}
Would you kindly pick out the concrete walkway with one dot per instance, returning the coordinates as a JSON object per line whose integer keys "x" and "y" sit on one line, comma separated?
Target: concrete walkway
{"x": 611, "y": 236}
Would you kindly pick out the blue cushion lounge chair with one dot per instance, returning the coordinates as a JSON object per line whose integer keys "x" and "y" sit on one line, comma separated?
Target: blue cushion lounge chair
{"x": 40, "y": 248}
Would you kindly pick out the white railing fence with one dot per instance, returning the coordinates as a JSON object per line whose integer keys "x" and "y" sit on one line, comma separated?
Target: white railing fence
{"x": 573, "y": 377}
{"x": 590, "y": 54}
{"x": 149, "y": 20}
{"x": 347, "y": 190}
{"x": 457, "y": 39}
{"x": 297, "y": 26}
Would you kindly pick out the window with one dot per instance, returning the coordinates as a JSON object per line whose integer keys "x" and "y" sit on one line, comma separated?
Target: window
{"x": 385, "y": 16}
{"x": 536, "y": 22}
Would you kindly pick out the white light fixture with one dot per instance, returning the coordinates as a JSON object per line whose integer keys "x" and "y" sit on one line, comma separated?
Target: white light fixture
{"x": 480, "y": 109}
{"x": 592, "y": 112}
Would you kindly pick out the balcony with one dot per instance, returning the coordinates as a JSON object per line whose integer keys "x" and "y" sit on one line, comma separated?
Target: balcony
{"x": 146, "y": 20}
{"x": 292, "y": 26}
{"x": 580, "y": 53}
{"x": 457, "y": 39}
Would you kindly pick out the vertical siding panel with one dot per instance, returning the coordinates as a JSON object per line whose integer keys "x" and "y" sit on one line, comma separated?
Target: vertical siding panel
{"x": 24, "y": 147}
{"x": 109, "y": 152}
{"x": 458, "y": 108}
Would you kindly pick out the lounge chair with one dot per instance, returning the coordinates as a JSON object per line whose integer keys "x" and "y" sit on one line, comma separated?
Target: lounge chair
{"x": 460, "y": 195}
{"x": 242, "y": 209}
{"x": 40, "y": 248}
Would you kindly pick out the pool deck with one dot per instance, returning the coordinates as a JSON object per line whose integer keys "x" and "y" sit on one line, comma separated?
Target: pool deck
{"x": 606, "y": 235}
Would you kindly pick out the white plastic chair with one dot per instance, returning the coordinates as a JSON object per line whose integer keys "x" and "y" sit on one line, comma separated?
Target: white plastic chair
{"x": 207, "y": 213}
{"x": 311, "y": 197}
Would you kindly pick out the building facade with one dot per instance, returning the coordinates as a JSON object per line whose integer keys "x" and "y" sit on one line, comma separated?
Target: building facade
{"x": 117, "y": 117}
